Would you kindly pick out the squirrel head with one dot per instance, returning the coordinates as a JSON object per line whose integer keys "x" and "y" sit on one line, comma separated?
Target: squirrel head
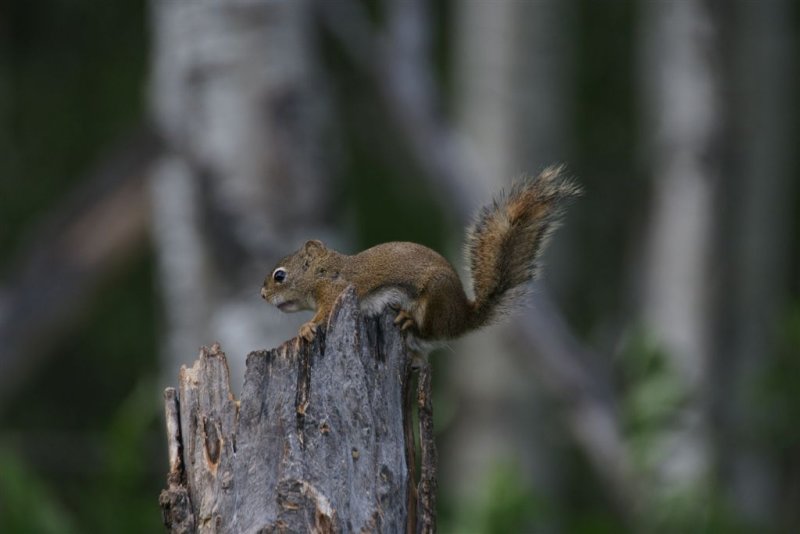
{"x": 290, "y": 284}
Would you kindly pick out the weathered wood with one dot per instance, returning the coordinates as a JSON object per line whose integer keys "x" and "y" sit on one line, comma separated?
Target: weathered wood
{"x": 174, "y": 500}
{"x": 428, "y": 456}
{"x": 317, "y": 441}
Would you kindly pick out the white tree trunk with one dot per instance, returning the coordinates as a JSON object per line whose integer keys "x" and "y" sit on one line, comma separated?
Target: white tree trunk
{"x": 680, "y": 76}
{"x": 237, "y": 96}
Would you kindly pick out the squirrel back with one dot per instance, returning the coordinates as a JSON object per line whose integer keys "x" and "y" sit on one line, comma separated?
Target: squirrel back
{"x": 505, "y": 242}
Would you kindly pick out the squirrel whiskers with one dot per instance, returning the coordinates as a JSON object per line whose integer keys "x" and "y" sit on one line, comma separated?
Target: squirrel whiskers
{"x": 503, "y": 249}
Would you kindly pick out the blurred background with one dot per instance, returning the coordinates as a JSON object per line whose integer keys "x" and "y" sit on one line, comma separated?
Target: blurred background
{"x": 157, "y": 157}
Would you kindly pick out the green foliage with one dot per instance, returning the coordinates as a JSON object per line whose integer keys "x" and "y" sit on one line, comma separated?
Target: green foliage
{"x": 122, "y": 499}
{"x": 28, "y": 503}
{"x": 652, "y": 404}
{"x": 654, "y": 394}
{"x": 507, "y": 504}
{"x": 109, "y": 409}
{"x": 775, "y": 392}
{"x": 510, "y": 504}
{"x": 696, "y": 509}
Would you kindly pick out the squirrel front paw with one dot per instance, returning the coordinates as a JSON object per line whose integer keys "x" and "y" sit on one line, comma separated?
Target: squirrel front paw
{"x": 308, "y": 331}
{"x": 405, "y": 320}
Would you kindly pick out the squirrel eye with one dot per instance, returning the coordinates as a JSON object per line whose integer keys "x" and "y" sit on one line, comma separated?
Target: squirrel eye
{"x": 279, "y": 275}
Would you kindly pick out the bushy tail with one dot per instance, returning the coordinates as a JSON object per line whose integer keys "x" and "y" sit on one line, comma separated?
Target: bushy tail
{"x": 506, "y": 240}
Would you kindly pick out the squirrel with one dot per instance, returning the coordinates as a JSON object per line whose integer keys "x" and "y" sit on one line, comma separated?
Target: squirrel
{"x": 503, "y": 248}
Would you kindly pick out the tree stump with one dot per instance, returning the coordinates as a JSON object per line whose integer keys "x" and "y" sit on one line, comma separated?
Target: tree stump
{"x": 320, "y": 441}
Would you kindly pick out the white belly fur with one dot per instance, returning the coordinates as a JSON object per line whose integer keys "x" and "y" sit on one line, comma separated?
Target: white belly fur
{"x": 379, "y": 300}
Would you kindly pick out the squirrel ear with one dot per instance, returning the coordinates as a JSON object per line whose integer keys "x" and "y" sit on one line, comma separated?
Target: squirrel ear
{"x": 314, "y": 246}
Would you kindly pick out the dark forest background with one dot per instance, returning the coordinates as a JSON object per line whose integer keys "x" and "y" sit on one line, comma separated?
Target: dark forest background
{"x": 156, "y": 158}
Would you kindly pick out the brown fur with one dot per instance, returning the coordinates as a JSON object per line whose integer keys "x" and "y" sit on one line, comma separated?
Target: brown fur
{"x": 503, "y": 248}
{"x": 505, "y": 242}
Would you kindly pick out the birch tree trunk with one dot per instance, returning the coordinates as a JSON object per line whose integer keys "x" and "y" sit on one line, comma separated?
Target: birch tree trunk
{"x": 237, "y": 95}
{"x": 681, "y": 76}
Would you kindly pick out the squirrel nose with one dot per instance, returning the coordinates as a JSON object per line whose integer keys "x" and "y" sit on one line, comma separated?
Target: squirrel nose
{"x": 264, "y": 293}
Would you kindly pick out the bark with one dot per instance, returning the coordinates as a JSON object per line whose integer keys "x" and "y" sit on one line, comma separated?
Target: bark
{"x": 681, "y": 85}
{"x": 316, "y": 442}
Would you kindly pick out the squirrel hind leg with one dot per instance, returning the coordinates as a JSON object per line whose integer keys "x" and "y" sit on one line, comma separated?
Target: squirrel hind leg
{"x": 443, "y": 310}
